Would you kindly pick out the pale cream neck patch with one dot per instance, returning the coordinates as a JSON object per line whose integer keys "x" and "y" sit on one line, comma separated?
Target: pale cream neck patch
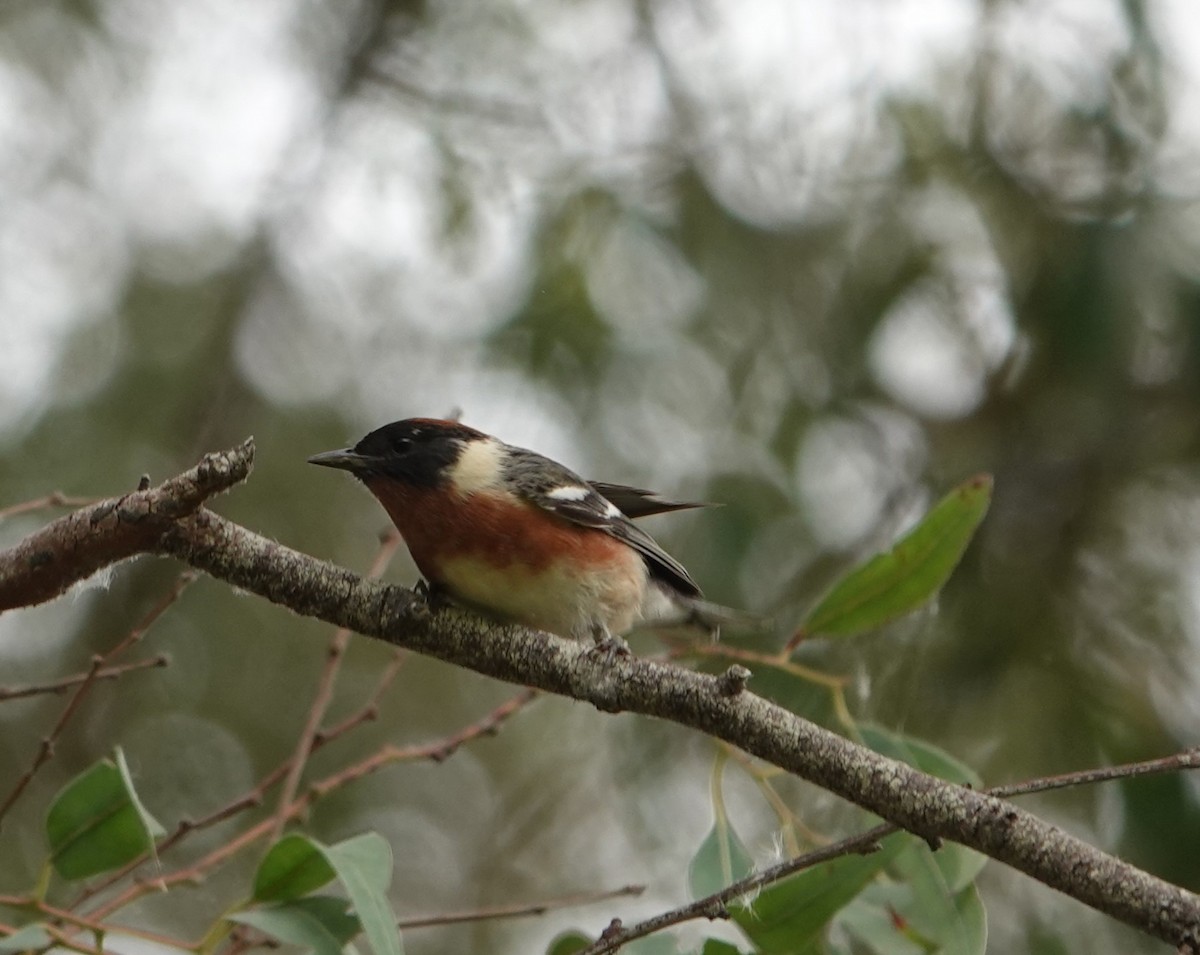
{"x": 479, "y": 467}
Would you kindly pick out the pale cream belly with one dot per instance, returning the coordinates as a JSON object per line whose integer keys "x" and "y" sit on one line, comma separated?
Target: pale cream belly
{"x": 551, "y": 599}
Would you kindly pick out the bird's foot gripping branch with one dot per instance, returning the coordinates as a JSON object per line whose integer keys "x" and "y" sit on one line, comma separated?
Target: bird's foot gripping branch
{"x": 172, "y": 519}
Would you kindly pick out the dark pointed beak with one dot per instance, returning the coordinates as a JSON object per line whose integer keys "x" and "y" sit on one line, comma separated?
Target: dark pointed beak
{"x": 347, "y": 459}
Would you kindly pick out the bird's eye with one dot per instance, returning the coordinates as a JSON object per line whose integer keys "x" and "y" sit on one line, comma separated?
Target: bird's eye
{"x": 401, "y": 445}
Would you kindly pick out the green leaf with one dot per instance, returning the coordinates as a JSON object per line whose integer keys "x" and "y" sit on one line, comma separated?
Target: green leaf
{"x": 721, "y": 859}
{"x": 568, "y": 943}
{"x": 898, "y": 581}
{"x": 149, "y": 823}
{"x": 298, "y": 865}
{"x": 953, "y": 921}
{"x": 294, "y": 867}
{"x": 28, "y": 938}
{"x": 333, "y": 913}
{"x": 973, "y": 918}
{"x": 917, "y": 753}
{"x": 870, "y": 921}
{"x": 791, "y": 917}
{"x": 364, "y": 866}
{"x": 959, "y": 865}
{"x": 714, "y": 946}
{"x": 97, "y": 823}
{"x": 292, "y": 924}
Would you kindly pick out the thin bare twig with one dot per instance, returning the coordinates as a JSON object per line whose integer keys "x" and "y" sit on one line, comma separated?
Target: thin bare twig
{"x": 724, "y": 651}
{"x": 54, "y": 499}
{"x": 64, "y": 916}
{"x": 521, "y": 910}
{"x": 1188, "y": 759}
{"x": 436, "y": 750}
{"x": 64, "y": 684}
{"x": 324, "y": 693}
{"x": 253, "y": 797}
{"x": 46, "y": 749}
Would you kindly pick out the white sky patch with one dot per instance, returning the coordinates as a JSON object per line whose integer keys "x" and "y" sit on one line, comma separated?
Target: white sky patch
{"x": 792, "y": 92}
{"x": 1176, "y": 26}
{"x": 63, "y": 265}
{"x": 219, "y": 98}
{"x": 921, "y": 356}
{"x": 394, "y": 237}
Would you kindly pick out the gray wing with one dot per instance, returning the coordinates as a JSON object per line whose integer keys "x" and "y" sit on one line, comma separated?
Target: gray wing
{"x": 563, "y": 492}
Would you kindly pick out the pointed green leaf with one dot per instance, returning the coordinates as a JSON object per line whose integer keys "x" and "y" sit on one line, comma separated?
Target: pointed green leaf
{"x": 918, "y": 753}
{"x": 721, "y": 859}
{"x": 791, "y": 917}
{"x": 97, "y": 823}
{"x": 714, "y": 946}
{"x": 898, "y": 581}
{"x": 364, "y": 866}
{"x": 294, "y": 867}
{"x": 951, "y": 920}
{"x": 958, "y": 865}
{"x": 972, "y": 918}
{"x": 332, "y": 912}
{"x": 292, "y": 925}
{"x": 871, "y": 922}
{"x": 152, "y": 826}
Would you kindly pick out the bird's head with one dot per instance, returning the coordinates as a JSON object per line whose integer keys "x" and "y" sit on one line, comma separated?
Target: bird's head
{"x": 423, "y": 452}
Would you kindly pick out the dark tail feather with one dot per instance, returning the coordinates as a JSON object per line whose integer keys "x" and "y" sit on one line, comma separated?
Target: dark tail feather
{"x": 635, "y": 502}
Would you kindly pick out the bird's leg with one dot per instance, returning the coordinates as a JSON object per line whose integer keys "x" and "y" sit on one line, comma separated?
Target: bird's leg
{"x": 607, "y": 643}
{"x": 434, "y": 594}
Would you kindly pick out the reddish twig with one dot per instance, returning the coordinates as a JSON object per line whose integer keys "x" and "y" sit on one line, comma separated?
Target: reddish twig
{"x": 63, "y": 916}
{"x": 253, "y": 797}
{"x": 54, "y": 499}
{"x": 724, "y": 651}
{"x": 182, "y": 582}
{"x": 324, "y": 693}
{"x": 370, "y": 710}
{"x": 520, "y": 911}
{"x": 436, "y": 750}
{"x": 46, "y": 749}
{"x": 61, "y": 686}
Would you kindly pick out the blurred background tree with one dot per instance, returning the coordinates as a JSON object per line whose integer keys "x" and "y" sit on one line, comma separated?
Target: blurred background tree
{"x": 815, "y": 259}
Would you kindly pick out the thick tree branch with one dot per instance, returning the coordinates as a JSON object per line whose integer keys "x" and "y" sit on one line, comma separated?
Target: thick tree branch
{"x": 929, "y": 807}
{"x": 46, "y": 563}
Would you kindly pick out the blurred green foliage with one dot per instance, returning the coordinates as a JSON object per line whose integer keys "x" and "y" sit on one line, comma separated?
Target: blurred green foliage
{"x": 816, "y": 262}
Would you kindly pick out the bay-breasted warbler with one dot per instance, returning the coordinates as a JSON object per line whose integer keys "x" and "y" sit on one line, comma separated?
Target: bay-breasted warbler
{"x": 520, "y": 537}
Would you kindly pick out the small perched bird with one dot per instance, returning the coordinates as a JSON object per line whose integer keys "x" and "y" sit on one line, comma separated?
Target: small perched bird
{"x": 520, "y": 537}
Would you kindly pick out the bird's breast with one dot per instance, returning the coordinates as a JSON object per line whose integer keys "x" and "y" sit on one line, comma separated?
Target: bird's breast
{"x": 519, "y": 561}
